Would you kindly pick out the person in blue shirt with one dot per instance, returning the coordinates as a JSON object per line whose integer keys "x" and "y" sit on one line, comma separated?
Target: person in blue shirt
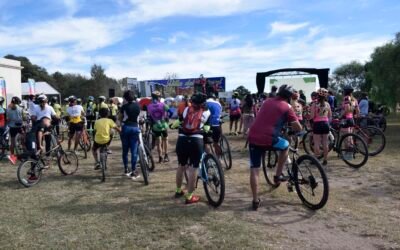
{"x": 332, "y": 101}
{"x": 215, "y": 109}
{"x": 363, "y": 105}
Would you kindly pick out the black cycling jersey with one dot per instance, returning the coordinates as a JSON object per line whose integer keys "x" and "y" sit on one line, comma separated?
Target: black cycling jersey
{"x": 130, "y": 112}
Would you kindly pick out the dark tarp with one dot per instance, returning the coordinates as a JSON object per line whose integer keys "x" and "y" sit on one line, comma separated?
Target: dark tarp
{"x": 321, "y": 73}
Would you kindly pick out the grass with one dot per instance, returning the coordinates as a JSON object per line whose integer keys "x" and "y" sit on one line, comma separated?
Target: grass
{"x": 81, "y": 212}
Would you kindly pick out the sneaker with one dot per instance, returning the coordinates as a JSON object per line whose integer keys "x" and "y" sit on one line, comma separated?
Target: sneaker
{"x": 256, "y": 204}
{"x": 13, "y": 159}
{"x": 166, "y": 158}
{"x": 194, "y": 199}
{"x": 160, "y": 159}
{"x": 280, "y": 178}
{"x": 179, "y": 195}
{"x": 96, "y": 166}
{"x": 134, "y": 175}
{"x": 109, "y": 151}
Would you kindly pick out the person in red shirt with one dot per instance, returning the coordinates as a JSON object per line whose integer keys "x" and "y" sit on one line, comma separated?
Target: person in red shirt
{"x": 265, "y": 134}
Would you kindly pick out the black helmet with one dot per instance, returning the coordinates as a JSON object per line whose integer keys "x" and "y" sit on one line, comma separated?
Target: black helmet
{"x": 285, "y": 91}
{"x": 54, "y": 99}
{"x": 212, "y": 95}
{"x": 16, "y": 100}
{"x": 348, "y": 89}
{"x": 199, "y": 98}
{"x": 72, "y": 98}
{"x": 156, "y": 94}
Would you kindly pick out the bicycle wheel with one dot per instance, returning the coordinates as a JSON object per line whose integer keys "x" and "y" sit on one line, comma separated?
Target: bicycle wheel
{"x": 68, "y": 162}
{"x": 214, "y": 185}
{"x": 19, "y": 144}
{"x": 353, "y": 150}
{"x": 374, "y": 138}
{"x": 269, "y": 167}
{"x": 382, "y": 124}
{"x": 151, "y": 164}
{"x": 144, "y": 166}
{"x": 103, "y": 165}
{"x": 310, "y": 182}
{"x": 226, "y": 152}
{"x": 29, "y": 173}
{"x": 307, "y": 142}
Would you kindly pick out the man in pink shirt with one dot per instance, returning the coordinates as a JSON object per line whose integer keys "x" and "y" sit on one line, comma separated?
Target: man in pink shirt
{"x": 265, "y": 134}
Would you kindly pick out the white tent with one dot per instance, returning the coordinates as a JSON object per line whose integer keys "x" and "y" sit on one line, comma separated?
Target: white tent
{"x": 41, "y": 87}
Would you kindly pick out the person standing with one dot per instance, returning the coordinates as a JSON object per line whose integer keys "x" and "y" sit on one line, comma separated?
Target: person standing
{"x": 215, "y": 109}
{"x": 273, "y": 92}
{"x": 249, "y": 112}
{"x": 57, "y": 109}
{"x": 75, "y": 113}
{"x": 90, "y": 114}
{"x": 235, "y": 113}
{"x": 14, "y": 121}
{"x": 364, "y": 108}
{"x": 332, "y": 100}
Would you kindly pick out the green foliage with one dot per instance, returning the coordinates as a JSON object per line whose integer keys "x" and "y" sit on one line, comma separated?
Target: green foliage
{"x": 242, "y": 90}
{"x": 352, "y": 73}
{"x": 31, "y": 70}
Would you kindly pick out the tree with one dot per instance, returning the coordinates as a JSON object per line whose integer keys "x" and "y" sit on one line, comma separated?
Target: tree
{"x": 242, "y": 91}
{"x": 31, "y": 70}
{"x": 352, "y": 74}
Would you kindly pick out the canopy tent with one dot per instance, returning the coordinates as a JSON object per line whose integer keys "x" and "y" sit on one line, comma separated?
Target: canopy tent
{"x": 40, "y": 87}
{"x": 321, "y": 73}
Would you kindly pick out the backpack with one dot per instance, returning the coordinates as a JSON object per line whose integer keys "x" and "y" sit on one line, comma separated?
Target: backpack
{"x": 89, "y": 110}
{"x": 192, "y": 121}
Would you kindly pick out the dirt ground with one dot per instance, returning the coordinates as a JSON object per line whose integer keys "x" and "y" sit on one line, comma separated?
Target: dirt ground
{"x": 363, "y": 210}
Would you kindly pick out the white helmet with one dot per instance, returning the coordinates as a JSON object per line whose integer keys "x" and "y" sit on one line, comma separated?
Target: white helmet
{"x": 178, "y": 98}
{"x": 42, "y": 98}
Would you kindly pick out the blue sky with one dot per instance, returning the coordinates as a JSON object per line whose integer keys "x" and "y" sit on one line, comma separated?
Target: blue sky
{"x": 148, "y": 39}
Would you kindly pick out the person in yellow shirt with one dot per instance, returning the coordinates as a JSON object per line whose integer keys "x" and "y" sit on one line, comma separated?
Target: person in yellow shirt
{"x": 57, "y": 108}
{"x": 101, "y": 104}
{"x": 74, "y": 112}
{"x": 113, "y": 110}
{"x": 102, "y": 138}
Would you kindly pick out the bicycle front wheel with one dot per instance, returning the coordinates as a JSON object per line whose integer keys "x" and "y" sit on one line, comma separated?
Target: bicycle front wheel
{"x": 374, "y": 138}
{"x": 353, "y": 150}
{"x": 310, "y": 182}
{"x": 214, "y": 183}
{"x": 226, "y": 152}
{"x": 68, "y": 162}
{"x": 29, "y": 173}
{"x": 269, "y": 162}
{"x": 144, "y": 165}
{"x": 150, "y": 159}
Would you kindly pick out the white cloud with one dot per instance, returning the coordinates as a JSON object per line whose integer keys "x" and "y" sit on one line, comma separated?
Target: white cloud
{"x": 281, "y": 27}
{"x": 177, "y": 36}
{"x": 71, "y": 6}
{"x": 215, "y": 40}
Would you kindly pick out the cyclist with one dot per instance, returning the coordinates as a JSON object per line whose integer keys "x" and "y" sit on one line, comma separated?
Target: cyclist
{"x": 182, "y": 104}
{"x": 129, "y": 136}
{"x": 75, "y": 113}
{"x": 321, "y": 114}
{"x": 349, "y": 109}
{"x": 113, "y": 110}
{"x": 14, "y": 121}
{"x": 42, "y": 116}
{"x": 190, "y": 145}
{"x": 265, "y": 134}
{"x": 297, "y": 107}
{"x": 249, "y": 112}
{"x": 234, "y": 112}
{"x": 102, "y": 128}
{"x": 215, "y": 109}
{"x": 57, "y": 109}
{"x": 90, "y": 113}
{"x": 157, "y": 112}
{"x": 102, "y": 103}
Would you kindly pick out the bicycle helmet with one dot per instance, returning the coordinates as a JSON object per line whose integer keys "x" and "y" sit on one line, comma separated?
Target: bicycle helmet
{"x": 66, "y": 99}
{"x": 212, "y": 96}
{"x": 42, "y": 98}
{"x": 16, "y": 100}
{"x": 235, "y": 94}
{"x": 199, "y": 98}
{"x": 102, "y": 98}
{"x": 91, "y": 98}
{"x": 285, "y": 91}
{"x": 178, "y": 98}
{"x": 347, "y": 90}
{"x": 72, "y": 98}
{"x": 323, "y": 92}
{"x": 1, "y": 99}
{"x": 79, "y": 101}
{"x": 54, "y": 99}
{"x": 156, "y": 94}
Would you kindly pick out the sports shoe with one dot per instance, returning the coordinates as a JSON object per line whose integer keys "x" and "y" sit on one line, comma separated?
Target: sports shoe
{"x": 166, "y": 158}
{"x": 160, "y": 159}
{"x": 280, "y": 178}
{"x": 109, "y": 151}
{"x": 324, "y": 163}
{"x": 256, "y": 204}
{"x": 13, "y": 159}
{"x": 134, "y": 175}
{"x": 97, "y": 166}
{"x": 179, "y": 195}
{"x": 192, "y": 200}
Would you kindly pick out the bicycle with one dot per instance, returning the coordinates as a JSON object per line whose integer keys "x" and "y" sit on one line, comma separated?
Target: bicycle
{"x": 85, "y": 142}
{"x": 146, "y": 160}
{"x": 302, "y": 175}
{"x": 29, "y": 172}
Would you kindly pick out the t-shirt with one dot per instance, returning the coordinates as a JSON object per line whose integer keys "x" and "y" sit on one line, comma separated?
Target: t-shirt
{"x": 113, "y": 109}
{"x": 57, "y": 109}
{"x": 103, "y": 127}
{"x": 204, "y": 118}
{"x": 157, "y": 111}
{"x": 46, "y": 112}
{"x": 234, "y": 104}
{"x": 75, "y": 113}
{"x": 363, "y": 105}
{"x": 273, "y": 115}
{"x": 102, "y": 105}
{"x": 215, "y": 110}
{"x": 14, "y": 117}
{"x": 130, "y": 112}
{"x": 31, "y": 108}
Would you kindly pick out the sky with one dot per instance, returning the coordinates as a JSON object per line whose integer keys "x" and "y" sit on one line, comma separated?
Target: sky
{"x": 150, "y": 39}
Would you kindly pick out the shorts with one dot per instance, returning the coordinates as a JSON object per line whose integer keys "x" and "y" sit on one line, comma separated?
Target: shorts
{"x": 189, "y": 150}
{"x": 15, "y": 131}
{"x": 96, "y": 146}
{"x": 235, "y": 117}
{"x": 163, "y": 134}
{"x": 321, "y": 128}
{"x": 257, "y": 152}
{"x": 347, "y": 123}
{"x": 216, "y": 133}
{"x": 75, "y": 127}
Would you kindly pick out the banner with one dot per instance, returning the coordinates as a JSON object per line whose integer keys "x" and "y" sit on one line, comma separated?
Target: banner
{"x": 32, "y": 86}
{"x": 3, "y": 91}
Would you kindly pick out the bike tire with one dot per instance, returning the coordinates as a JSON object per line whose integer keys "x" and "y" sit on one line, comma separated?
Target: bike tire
{"x": 144, "y": 166}
{"x": 371, "y": 134}
{"x": 307, "y": 142}
{"x": 103, "y": 165}
{"x": 151, "y": 164}
{"x": 226, "y": 152}
{"x": 269, "y": 167}
{"x": 359, "y": 147}
{"x": 215, "y": 178}
{"x": 27, "y": 169}
{"x": 67, "y": 162}
{"x": 303, "y": 175}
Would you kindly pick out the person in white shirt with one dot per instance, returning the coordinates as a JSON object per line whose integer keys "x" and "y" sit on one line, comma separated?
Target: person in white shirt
{"x": 75, "y": 113}
{"x": 42, "y": 115}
